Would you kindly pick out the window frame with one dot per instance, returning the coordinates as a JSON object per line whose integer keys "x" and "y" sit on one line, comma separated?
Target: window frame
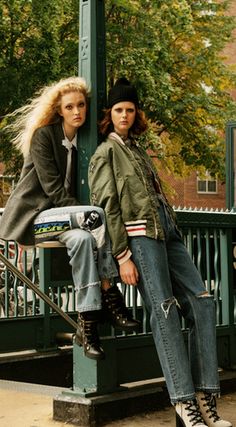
{"x": 207, "y": 179}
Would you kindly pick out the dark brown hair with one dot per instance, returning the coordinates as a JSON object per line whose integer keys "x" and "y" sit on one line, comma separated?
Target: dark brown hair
{"x": 139, "y": 126}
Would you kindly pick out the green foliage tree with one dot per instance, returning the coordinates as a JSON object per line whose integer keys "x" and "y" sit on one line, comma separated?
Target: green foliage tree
{"x": 170, "y": 49}
{"x": 38, "y": 44}
{"x": 173, "y": 52}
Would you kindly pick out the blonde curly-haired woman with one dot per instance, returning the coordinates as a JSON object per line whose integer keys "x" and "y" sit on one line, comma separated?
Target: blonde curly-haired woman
{"x": 44, "y": 206}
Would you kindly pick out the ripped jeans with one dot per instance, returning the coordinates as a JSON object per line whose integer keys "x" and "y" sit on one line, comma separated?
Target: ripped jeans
{"x": 89, "y": 251}
{"x": 168, "y": 279}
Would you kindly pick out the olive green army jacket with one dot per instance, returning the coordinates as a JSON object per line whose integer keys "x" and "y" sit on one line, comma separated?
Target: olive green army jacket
{"x": 118, "y": 185}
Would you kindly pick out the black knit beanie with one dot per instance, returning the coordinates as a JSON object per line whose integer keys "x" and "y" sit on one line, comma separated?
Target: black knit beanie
{"x": 122, "y": 91}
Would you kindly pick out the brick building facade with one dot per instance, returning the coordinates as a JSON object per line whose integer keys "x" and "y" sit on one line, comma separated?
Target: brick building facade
{"x": 185, "y": 192}
{"x": 186, "y": 189}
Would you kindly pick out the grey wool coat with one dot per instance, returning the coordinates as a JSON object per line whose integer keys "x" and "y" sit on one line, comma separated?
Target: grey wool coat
{"x": 40, "y": 187}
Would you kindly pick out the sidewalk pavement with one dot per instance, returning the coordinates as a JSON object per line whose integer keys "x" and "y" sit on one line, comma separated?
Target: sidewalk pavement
{"x": 30, "y": 405}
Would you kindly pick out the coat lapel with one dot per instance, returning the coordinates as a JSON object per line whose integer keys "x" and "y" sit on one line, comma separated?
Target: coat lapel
{"x": 60, "y": 150}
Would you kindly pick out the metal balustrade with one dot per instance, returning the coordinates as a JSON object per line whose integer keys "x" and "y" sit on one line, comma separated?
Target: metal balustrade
{"x": 206, "y": 243}
{"x": 210, "y": 238}
{"x": 16, "y": 299}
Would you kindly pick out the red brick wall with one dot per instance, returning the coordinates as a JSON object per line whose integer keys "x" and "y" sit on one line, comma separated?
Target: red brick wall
{"x": 189, "y": 197}
{"x": 186, "y": 188}
{"x": 183, "y": 192}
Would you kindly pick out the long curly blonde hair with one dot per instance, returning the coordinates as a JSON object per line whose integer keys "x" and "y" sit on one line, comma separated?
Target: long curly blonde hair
{"x": 42, "y": 110}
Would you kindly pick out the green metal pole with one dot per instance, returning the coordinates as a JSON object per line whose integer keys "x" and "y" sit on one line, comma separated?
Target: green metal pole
{"x": 90, "y": 376}
{"x": 92, "y": 66}
{"x": 230, "y": 165}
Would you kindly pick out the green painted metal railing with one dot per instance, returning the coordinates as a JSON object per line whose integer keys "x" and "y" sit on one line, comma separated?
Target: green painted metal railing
{"x": 231, "y": 165}
{"x": 211, "y": 240}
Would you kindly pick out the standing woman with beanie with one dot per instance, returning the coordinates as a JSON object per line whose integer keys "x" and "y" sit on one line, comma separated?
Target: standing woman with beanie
{"x": 44, "y": 206}
{"x": 150, "y": 253}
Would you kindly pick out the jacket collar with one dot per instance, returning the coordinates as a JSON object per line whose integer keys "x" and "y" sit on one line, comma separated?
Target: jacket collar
{"x": 128, "y": 142}
{"x": 116, "y": 137}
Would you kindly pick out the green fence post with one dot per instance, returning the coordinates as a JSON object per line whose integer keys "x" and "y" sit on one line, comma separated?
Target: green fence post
{"x": 90, "y": 376}
{"x": 92, "y": 67}
{"x": 231, "y": 165}
{"x": 45, "y": 272}
{"x": 231, "y": 205}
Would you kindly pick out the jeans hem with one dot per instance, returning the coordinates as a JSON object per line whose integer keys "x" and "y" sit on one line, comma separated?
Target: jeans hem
{"x": 184, "y": 398}
{"x": 111, "y": 275}
{"x": 90, "y": 308}
{"x": 88, "y": 285}
{"x": 211, "y": 390}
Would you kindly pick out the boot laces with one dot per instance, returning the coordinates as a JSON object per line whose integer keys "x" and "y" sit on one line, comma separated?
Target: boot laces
{"x": 211, "y": 406}
{"x": 194, "y": 412}
{"x": 89, "y": 330}
{"x": 116, "y": 302}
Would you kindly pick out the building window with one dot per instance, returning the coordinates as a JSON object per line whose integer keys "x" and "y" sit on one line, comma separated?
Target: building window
{"x": 207, "y": 184}
{"x": 6, "y": 184}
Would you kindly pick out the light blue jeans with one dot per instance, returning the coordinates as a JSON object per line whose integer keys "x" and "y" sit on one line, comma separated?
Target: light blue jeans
{"x": 168, "y": 279}
{"x": 89, "y": 262}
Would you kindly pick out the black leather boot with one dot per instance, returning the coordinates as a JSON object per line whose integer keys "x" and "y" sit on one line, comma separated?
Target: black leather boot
{"x": 116, "y": 312}
{"x": 87, "y": 335}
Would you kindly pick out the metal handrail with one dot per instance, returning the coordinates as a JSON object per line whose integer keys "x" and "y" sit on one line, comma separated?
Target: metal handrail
{"x": 38, "y": 291}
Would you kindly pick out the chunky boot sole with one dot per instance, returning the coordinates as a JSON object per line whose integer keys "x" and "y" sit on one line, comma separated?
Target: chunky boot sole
{"x": 179, "y": 421}
{"x": 99, "y": 355}
{"x": 126, "y": 325}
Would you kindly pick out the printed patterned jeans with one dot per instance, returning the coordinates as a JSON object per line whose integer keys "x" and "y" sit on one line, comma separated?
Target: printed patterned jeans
{"x": 168, "y": 279}
{"x": 89, "y": 250}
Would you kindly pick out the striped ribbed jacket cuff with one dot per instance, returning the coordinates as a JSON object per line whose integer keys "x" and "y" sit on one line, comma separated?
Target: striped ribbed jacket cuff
{"x": 124, "y": 256}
